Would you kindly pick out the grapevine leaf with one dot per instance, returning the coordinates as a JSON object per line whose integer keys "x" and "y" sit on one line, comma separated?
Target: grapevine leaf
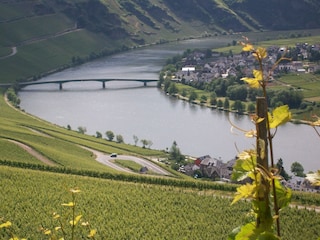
{"x": 244, "y": 165}
{"x": 244, "y": 191}
{"x": 256, "y": 80}
{"x": 70, "y": 204}
{"x": 279, "y": 116}
{"x": 260, "y": 53}
{"x": 268, "y": 236}
{"x": 283, "y": 194}
{"x": 76, "y": 220}
{"x": 233, "y": 234}
{"x": 92, "y": 233}
{"x": 248, "y": 231}
{"x": 247, "y": 47}
{"x": 6, "y": 224}
{"x": 72, "y": 190}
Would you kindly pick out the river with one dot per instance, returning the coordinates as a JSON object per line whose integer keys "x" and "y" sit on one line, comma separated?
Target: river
{"x": 130, "y": 109}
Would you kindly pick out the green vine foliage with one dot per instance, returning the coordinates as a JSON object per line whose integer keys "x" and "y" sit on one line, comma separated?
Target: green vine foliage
{"x": 256, "y": 166}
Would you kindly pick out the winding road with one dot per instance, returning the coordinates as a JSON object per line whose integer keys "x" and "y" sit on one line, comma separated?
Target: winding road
{"x": 108, "y": 161}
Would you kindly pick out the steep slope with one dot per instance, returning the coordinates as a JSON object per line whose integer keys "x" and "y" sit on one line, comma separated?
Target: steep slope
{"x": 279, "y": 15}
{"x": 43, "y": 35}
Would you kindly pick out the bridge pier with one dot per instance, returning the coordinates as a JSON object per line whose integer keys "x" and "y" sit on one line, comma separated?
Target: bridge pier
{"x": 145, "y": 84}
{"x": 60, "y": 86}
{"x": 103, "y": 84}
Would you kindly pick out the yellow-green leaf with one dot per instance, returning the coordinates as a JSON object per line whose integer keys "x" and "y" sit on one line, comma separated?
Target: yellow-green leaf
{"x": 247, "y": 47}
{"x": 75, "y": 190}
{"x": 244, "y": 191}
{"x": 92, "y": 233}
{"x": 244, "y": 165}
{"x": 283, "y": 194}
{"x": 76, "y": 220}
{"x": 254, "y": 82}
{"x": 70, "y": 204}
{"x": 260, "y": 53}
{"x": 279, "y": 116}
{"x": 6, "y": 224}
{"x": 247, "y": 232}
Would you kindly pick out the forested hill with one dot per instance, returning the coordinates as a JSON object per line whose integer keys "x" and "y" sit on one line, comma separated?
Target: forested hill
{"x": 80, "y": 30}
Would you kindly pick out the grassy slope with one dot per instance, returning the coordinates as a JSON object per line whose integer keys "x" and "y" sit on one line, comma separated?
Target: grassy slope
{"x": 43, "y": 136}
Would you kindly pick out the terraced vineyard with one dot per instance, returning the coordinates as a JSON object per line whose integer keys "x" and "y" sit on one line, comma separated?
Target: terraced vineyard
{"x": 123, "y": 210}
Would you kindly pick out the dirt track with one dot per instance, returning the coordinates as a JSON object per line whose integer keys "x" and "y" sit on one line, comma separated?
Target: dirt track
{"x": 34, "y": 153}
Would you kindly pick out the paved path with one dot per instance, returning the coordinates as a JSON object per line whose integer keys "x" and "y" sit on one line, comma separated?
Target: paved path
{"x": 108, "y": 161}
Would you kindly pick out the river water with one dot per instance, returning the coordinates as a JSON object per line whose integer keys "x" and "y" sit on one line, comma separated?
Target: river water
{"x": 128, "y": 108}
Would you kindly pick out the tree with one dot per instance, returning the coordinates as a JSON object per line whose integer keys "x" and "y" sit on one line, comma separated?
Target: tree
{"x": 219, "y": 103}
{"x": 98, "y": 134}
{"x": 172, "y": 89}
{"x": 282, "y": 171}
{"x": 119, "y": 139}
{"x": 226, "y": 104}
{"x": 203, "y": 98}
{"x": 213, "y": 99}
{"x": 135, "y": 139}
{"x": 193, "y": 96}
{"x": 184, "y": 92}
{"x": 251, "y": 108}
{"x": 149, "y": 144}
{"x": 82, "y": 130}
{"x": 110, "y": 135}
{"x": 238, "y": 106}
{"x": 297, "y": 169}
{"x": 237, "y": 92}
{"x": 175, "y": 154}
{"x": 144, "y": 143}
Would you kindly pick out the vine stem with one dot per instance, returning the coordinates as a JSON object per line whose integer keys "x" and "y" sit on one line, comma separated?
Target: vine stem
{"x": 270, "y": 136}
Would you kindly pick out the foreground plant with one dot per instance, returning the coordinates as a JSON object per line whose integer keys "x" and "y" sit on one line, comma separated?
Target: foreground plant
{"x": 256, "y": 167}
{"x": 68, "y": 230}
{"x": 7, "y": 227}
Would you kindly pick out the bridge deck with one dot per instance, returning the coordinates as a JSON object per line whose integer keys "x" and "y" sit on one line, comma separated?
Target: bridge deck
{"x": 62, "y": 81}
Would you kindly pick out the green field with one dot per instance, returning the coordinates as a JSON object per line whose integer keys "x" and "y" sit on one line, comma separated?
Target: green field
{"x": 37, "y": 27}
{"x": 122, "y": 210}
{"x": 309, "y": 84}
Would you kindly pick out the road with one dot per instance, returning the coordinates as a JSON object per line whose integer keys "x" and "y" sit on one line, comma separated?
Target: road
{"x": 108, "y": 161}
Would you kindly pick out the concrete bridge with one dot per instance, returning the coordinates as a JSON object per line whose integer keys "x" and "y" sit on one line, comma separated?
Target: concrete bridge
{"x": 61, "y": 82}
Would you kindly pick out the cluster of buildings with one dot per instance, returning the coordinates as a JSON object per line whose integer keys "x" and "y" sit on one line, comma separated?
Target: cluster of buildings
{"x": 199, "y": 67}
{"x": 217, "y": 170}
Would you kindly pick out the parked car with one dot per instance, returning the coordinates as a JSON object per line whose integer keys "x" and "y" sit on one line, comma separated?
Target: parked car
{"x": 114, "y": 155}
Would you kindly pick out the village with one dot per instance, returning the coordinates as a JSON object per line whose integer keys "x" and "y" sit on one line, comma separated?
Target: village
{"x": 217, "y": 170}
{"x": 198, "y": 67}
